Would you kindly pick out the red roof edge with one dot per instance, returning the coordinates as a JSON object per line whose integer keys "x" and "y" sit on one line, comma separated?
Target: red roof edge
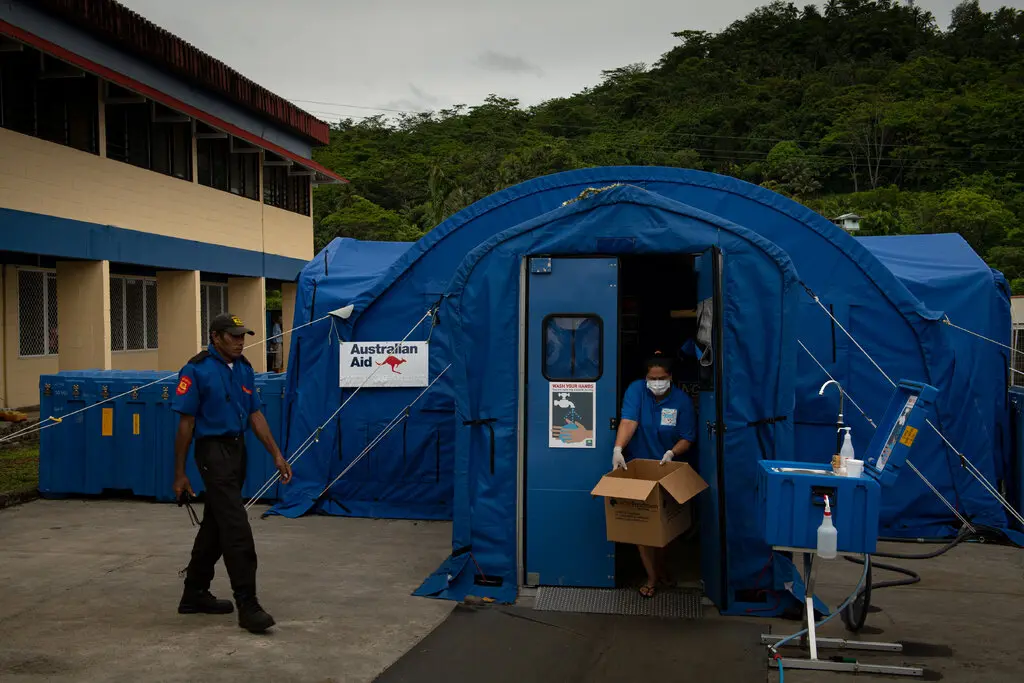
{"x": 57, "y": 51}
{"x": 117, "y": 25}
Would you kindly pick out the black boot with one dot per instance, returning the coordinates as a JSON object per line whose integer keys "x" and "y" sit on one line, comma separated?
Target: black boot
{"x": 251, "y": 616}
{"x": 202, "y": 602}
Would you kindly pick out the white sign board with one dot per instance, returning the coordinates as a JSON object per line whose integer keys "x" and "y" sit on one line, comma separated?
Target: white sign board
{"x": 571, "y": 410}
{"x": 384, "y": 364}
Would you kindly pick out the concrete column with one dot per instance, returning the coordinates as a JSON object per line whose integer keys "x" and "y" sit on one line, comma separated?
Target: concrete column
{"x": 101, "y": 119}
{"x": 83, "y": 315}
{"x": 4, "y": 326}
{"x": 179, "y": 313}
{"x": 289, "y": 292}
{"x": 247, "y": 297}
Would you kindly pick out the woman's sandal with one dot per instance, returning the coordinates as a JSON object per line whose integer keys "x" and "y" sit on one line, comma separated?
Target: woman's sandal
{"x": 647, "y": 591}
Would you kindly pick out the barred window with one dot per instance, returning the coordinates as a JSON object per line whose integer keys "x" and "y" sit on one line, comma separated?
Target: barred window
{"x": 37, "y": 313}
{"x": 213, "y": 301}
{"x": 48, "y": 99}
{"x": 288, "y": 192}
{"x": 1017, "y": 358}
{"x": 148, "y": 135}
{"x": 133, "y": 314}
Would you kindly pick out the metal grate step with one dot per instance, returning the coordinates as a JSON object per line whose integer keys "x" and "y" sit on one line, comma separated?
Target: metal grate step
{"x": 670, "y": 603}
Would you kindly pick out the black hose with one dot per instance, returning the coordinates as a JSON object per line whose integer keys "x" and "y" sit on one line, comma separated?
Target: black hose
{"x": 856, "y": 613}
{"x": 913, "y": 577}
{"x": 960, "y": 538}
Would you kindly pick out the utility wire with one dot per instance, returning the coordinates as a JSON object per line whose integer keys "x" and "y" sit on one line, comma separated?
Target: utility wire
{"x": 667, "y": 133}
{"x": 964, "y": 460}
{"x": 53, "y": 421}
{"x": 844, "y": 392}
{"x": 916, "y": 471}
{"x": 314, "y": 437}
{"x": 402, "y": 415}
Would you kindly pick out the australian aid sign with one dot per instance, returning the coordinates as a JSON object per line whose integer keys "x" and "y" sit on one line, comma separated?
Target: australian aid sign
{"x": 384, "y": 364}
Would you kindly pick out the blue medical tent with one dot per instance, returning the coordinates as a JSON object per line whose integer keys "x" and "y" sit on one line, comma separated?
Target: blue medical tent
{"x": 456, "y": 452}
{"x": 949, "y": 277}
{"x": 409, "y": 474}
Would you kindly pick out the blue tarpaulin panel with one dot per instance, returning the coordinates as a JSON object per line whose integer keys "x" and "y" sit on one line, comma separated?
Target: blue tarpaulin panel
{"x": 903, "y": 334}
{"x": 949, "y": 277}
{"x": 408, "y": 474}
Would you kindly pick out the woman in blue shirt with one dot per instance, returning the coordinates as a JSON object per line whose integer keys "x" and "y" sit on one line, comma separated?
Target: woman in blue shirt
{"x": 657, "y": 422}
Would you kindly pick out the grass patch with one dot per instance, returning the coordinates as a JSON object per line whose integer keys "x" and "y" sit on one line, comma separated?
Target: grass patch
{"x": 19, "y": 469}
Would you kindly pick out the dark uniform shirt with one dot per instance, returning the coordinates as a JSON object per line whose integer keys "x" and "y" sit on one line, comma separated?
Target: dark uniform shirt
{"x": 221, "y": 398}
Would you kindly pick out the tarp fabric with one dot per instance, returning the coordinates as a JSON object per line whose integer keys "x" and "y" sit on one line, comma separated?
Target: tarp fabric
{"x": 948, "y": 276}
{"x": 759, "y": 363}
{"x": 903, "y": 334}
{"x": 408, "y": 475}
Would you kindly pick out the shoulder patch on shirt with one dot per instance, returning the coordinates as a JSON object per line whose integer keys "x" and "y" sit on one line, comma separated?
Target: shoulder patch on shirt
{"x": 247, "y": 390}
{"x": 199, "y": 357}
{"x": 184, "y": 385}
{"x": 668, "y": 417}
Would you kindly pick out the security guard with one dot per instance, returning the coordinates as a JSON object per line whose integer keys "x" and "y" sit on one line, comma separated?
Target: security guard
{"x": 217, "y": 403}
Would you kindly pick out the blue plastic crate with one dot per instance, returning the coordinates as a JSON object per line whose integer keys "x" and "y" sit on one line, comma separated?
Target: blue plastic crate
{"x": 791, "y": 505}
{"x": 126, "y": 443}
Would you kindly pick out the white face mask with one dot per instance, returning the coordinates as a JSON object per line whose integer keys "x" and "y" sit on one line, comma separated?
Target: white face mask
{"x": 658, "y": 386}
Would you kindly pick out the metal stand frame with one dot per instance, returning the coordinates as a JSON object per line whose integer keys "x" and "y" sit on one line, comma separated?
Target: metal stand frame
{"x": 811, "y": 640}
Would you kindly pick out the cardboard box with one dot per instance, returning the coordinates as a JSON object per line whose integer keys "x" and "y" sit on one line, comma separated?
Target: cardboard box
{"x": 648, "y": 503}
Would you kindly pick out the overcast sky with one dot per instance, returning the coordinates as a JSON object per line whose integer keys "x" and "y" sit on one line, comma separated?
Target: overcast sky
{"x": 416, "y": 55}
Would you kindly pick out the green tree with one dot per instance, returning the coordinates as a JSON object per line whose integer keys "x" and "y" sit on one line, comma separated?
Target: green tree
{"x": 982, "y": 221}
{"x": 854, "y": 105}
{"x": 350, "y": 215}
{"x": 791, "y": 171}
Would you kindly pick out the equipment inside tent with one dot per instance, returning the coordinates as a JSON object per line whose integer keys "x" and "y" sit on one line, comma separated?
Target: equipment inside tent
{"x": 667, "y": 300}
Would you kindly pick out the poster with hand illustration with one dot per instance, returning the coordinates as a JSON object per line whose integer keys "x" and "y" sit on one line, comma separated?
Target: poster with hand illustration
{"x": 571, "y": 407}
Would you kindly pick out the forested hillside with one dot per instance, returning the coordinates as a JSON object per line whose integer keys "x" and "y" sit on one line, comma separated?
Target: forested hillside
{"x": 862, "y": 105}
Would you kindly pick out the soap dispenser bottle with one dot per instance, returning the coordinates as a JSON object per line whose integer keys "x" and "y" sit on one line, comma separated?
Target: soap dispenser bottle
{"x": 846, "y": 452}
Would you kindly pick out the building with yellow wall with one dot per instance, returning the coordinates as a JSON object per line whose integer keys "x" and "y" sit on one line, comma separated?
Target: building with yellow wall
{"x": 144, "y": 187}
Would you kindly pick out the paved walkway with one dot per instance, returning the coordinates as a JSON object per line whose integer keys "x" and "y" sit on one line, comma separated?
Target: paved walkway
{"x": 89, "y": 590}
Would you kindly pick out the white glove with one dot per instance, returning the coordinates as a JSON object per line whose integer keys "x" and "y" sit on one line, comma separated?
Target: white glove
{"x": 667, "y": 457}
{"x": 617, "y": 459}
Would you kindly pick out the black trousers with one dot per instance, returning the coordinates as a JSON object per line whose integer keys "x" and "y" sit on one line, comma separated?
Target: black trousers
{"x": 225, "y": 529}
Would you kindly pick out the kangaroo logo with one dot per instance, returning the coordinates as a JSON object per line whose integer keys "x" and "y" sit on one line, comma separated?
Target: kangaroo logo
{"x": 394, "y": 363}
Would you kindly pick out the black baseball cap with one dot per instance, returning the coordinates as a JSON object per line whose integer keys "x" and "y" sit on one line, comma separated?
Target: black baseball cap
{"x": 230, "y": 323}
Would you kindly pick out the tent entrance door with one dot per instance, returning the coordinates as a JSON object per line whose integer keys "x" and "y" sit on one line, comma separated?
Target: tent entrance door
{"x": 571, "y": 400}
{"x": 711, "y": 427}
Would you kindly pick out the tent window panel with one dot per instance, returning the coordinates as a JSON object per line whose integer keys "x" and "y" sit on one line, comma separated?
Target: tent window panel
{"x": 573, "y": 348}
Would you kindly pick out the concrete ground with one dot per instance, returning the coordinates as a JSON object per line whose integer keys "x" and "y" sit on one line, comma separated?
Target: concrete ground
{"x": 962, "y": 622}
{"x": 89, "y": 590}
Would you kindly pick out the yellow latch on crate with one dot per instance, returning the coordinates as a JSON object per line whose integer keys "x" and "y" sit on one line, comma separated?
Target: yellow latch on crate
{"x": 135, "y": 424}
{"x": 107, "y": 427}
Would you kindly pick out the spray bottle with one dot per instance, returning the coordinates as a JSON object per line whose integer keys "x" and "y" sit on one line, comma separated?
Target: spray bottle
{"x": 827, "y": 535}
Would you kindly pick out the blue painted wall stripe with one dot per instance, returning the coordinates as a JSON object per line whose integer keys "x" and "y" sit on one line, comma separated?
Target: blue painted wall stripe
{"x": 34, "y": 233}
